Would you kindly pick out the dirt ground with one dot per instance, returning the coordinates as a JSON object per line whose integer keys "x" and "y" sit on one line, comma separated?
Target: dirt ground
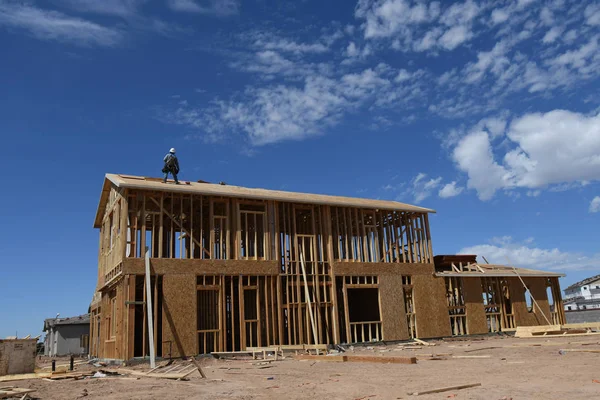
{"x": 506, "y": 367}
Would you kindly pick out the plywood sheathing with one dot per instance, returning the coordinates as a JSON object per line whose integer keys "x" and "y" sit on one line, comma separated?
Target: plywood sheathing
{"x": 179, "y": 310}
{"x": 430, "y": 306}
{"x": 476, "y": 320}
{"x": 393, "y": 313}
{"x": 381, "y": 269}
{"x": 17, "y": 356}
{"x": 524, "y": 317}
{"x": 174, "y": 266}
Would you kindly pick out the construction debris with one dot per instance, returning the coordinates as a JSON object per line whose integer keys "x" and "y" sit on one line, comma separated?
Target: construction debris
{"x": 11, "y": 391}
{"x": 570, "y": 330}
{"x": 356, "y": 358}
{"x": 445, "y": 389}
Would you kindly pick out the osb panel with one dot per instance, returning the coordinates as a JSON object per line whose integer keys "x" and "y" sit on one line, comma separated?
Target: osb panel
{"x": 179, "y": 314}
{"x": 17, "y": 356}
{"x": 170, "y": 266}
{"x": 430, "y": 306}
{"x": 360, "y": 268}
{"x": 473, "y": 295}
{"x": 393, "y": 313}
{"x": 537, "y": 287}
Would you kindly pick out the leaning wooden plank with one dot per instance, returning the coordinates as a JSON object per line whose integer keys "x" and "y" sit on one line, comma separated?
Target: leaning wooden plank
{"x": 445, "y": 389}
{"x": 198, "y": 367}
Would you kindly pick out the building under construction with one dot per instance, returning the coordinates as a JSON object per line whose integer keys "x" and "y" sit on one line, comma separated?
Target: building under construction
{"x": 233, "y": 267}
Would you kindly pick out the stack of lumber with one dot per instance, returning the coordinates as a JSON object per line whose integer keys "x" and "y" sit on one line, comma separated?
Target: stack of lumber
{"x": 11, "y": 391}
{"x": 583, "y": 329}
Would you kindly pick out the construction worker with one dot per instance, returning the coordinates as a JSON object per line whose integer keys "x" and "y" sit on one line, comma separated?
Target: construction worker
{"x": 171, "y": 165}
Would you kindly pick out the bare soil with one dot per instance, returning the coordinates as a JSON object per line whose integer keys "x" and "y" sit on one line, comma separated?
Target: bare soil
{"x": 515, "y": 369}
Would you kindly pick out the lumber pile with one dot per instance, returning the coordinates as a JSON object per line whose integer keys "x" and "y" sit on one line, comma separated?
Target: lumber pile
{"x": 584, "y": 329}
{"x": 11, "y": 391}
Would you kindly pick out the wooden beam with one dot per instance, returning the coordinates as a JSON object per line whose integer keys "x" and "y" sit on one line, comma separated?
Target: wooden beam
{"x": 445, "y": 389}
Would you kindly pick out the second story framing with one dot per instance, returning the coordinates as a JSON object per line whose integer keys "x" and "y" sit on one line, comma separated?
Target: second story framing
{"x": 220, "y": 222}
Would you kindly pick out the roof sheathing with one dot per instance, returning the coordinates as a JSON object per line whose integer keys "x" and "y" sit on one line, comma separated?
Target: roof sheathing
{"x": 211, "y": 189}
{"x": 501, "y": 271}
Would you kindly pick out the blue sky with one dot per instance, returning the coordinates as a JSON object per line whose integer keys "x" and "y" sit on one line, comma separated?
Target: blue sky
{"x": 487, "y": 111}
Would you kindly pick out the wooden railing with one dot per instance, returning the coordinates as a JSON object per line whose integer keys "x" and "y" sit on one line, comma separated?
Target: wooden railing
{"x": 365, "y": 331}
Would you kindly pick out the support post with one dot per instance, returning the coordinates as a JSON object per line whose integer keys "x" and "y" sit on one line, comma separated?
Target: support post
{"x": 149, "y": 309}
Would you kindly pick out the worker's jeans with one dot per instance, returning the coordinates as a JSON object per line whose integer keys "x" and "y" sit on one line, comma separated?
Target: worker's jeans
{"x": 174, "y": 176}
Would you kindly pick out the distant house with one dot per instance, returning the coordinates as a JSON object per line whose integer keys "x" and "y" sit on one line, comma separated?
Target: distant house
{"x": 583, "y": 295}
{"x": 66, "y": 336}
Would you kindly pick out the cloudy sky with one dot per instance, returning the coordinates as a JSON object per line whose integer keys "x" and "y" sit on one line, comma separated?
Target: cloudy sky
{"x": 487, "y": 111}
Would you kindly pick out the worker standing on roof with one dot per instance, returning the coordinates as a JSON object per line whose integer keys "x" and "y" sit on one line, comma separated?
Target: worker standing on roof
{"x": 171, "y": 165}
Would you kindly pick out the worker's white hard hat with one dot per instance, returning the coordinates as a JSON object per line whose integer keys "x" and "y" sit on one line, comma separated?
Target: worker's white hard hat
{"x": 172, "y": 150}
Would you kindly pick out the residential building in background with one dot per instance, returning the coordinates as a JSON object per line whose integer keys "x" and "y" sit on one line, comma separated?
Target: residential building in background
{"x": 583, "y": 295}
{"x": 65, "y": 336}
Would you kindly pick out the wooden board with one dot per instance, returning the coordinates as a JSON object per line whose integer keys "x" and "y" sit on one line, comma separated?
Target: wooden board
{"x": 380, "y": 268}
{"x": 11, "y": 391}
{"x": 444, "y": 389}
{"x": 179, "y": 314}
{"x": 429, "y": 295}
{"x": 472, "y": 292}
{"x": 393, "y": 313}
{"x": 358, "y": 358}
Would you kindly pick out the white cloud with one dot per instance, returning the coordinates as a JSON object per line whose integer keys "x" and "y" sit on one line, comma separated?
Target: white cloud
{"x": 460, "y": 13}
{"x": 553, "y": 34}
{"x": 499, "y": 15}
{"x": 355, "y": 53}
{"x": 592, "y": 14}
{"x": 474, "y": 156}
{"x": 386, "y": 18}
{"x": 544, "y": 150}
{"x": 285, "y": 45}
{"x": 556, "y": 147}
{"x": 450, "y": 190}
{"x": 506, "y": 251}
{"x": 53, "y": 25}
{"x": 214, "y": 7}
{"x": 595, "y": 205}
{"x": 123, "y": 8}
{"x": 421, "y": 187}
{"x": 455, "y": 36}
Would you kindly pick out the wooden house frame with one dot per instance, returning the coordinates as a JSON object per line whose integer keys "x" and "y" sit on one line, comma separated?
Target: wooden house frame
{"x": 235, "y": 267}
